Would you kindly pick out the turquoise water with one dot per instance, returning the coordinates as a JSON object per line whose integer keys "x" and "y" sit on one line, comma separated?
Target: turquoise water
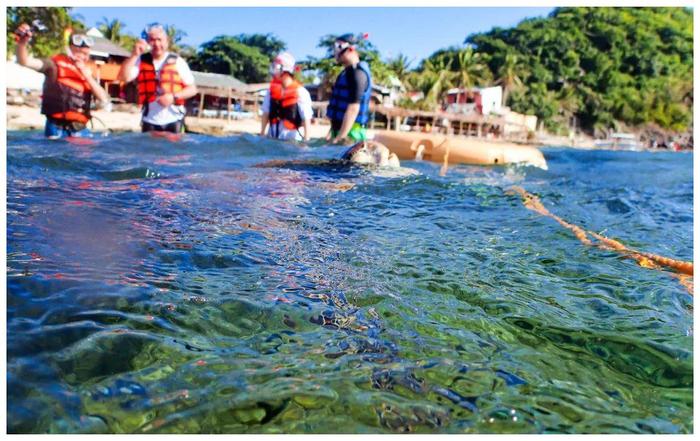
{"x": 157, "y": 287}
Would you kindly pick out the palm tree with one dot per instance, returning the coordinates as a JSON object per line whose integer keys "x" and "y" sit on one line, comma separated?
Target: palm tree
{"x": 400, "y": 66}
{"x": 509, "y": 75}
{"x": 470, "y": 68}
{"x": 436, "y": 79}
{"x": 112, "y": 30}
{"x": 174, "y": 34}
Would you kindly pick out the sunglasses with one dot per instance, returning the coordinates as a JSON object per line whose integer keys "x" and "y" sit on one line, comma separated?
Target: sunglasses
{"x": 81, "y": 40}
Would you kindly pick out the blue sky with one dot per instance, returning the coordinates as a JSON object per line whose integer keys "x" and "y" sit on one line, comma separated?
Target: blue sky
{"x": 413, "y": 31}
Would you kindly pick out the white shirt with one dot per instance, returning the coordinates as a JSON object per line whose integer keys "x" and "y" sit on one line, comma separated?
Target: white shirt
{"x": 158, "y": 114}
{"x": 305, "y": 112}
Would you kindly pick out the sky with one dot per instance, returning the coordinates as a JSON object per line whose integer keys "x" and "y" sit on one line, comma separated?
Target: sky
{"x": 414, "y": 31}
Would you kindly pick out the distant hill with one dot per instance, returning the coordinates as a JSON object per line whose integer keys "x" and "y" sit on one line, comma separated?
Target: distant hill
{"x": 598, "y": 68}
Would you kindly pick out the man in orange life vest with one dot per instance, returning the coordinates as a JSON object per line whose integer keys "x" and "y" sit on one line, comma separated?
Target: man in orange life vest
{"x": 287, "y": 106}
{"x": 164, "y": 81}
{"x": 69, "y": 85}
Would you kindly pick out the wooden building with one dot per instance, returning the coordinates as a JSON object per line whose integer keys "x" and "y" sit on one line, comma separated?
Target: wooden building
{"x": 222, "y": 96}
{"x": 107, "y": 56}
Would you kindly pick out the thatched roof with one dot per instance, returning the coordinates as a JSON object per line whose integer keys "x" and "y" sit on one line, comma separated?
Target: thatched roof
{"x": 218, "y": 81}
{"x": 104, "y": 48}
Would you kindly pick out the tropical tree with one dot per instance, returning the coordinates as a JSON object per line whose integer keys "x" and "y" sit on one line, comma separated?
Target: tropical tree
{"x": 268, "y": 44}
{"x": 607, "y": 67}
{"x": 111, "y": 29}
{"x": 56, "y": 21}
{"x": 400, "y": 66}
{"x": 227, "y": 55}
{"x": 470, "y": 68}
{"x": 187, "y": 52}
{"x": 175, "y": 35}
{"x": 436, "y": 78}
{"x": 509, "y": 74}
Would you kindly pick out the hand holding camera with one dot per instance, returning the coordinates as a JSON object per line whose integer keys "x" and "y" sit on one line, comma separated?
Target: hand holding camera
{"x": 25, "y": 32}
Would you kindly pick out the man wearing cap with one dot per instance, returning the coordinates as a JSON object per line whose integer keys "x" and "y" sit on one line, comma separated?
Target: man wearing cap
{"x": 348, "y": 108}
{"x": 69, "y": 85}
{"x": 287, "y": 106}
{"x": 164, "y": 81}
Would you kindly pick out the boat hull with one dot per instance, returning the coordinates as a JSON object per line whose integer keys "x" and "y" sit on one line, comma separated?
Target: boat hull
{"x": 440, "y": 148}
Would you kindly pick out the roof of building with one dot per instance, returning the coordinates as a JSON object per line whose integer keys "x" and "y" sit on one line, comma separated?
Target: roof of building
{"x": 218, "y": 81}
{"x": 104, "y": 47}
{"x": 473, "y": 89}
{"x": 257, "y": 87}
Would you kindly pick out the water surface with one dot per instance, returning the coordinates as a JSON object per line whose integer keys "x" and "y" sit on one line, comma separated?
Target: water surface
{"x": 158, "y": 287}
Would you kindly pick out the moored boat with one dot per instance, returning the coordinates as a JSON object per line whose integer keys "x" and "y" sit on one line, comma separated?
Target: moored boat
{"x": 619, "y": 141}
{"x": 441, "y": 149}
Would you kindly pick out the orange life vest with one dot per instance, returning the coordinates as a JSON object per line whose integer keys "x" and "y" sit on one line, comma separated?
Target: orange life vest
{"x": 67, "y": 99}
{"x": 151, "y": 84}
{"x": 284, "y": 104}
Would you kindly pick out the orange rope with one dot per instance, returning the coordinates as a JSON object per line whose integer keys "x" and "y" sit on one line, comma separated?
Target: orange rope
{"x": 644, "y": 259}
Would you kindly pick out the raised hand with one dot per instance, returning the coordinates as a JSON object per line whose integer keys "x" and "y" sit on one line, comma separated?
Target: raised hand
{"x": 23, "y": 34}
{"x": 140, "y": 47}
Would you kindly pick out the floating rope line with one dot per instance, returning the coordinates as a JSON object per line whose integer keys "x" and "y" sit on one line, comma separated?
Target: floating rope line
{"x": 684, "y": 270}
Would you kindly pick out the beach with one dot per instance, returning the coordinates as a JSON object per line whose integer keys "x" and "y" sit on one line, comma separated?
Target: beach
{"x": 30, "y": 118}
{"x": 126, "y": 118}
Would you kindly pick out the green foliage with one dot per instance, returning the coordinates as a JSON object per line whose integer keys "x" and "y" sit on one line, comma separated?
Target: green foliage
{"x": 46, "y": 43}
{"x": 228, "y": 55}
{"x": 111, "y": 29}
{"x": 175, "y": 35}
{"x": 268, "y": 44}
{"x": 605, "y": 66}
{"x": 245, "y": 56}
{"x": 400, "y": 67}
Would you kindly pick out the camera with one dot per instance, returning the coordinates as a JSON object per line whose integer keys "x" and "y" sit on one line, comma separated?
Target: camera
{"x": 36, "y": 27}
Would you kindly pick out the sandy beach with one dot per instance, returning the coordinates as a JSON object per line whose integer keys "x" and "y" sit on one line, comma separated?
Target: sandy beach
{"x": 127, "y": 119}
{"x": 30, "y": 118}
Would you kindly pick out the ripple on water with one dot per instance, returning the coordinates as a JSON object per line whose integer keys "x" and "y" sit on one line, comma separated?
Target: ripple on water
{"x": 175, "y": 288}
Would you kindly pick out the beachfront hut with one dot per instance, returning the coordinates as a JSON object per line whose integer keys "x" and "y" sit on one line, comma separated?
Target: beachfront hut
{"x": 107, "y": 57}
{"x": 475, "y": 101}
{"x": 222, "y": 96}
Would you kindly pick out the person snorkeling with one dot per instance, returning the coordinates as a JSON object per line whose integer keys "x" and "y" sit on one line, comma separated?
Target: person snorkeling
{"x": 348, "y": 108}
{"x": 164, "y": 80}
{"x": 69, "y": 85}
{"x": 287, "y": 106}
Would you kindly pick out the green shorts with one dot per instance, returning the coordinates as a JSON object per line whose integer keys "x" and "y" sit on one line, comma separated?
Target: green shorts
{"x": 357, "y": 133}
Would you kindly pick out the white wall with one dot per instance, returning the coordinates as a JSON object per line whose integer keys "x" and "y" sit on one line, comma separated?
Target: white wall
{"x": 491, "y": 98}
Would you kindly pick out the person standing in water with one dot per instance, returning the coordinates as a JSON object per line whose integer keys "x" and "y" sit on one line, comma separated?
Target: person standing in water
{"x": 164, "y": 80}
{"x": 348, "y": 108}
{"x": 287, "y": 106}
{"x": 68, "y": 85}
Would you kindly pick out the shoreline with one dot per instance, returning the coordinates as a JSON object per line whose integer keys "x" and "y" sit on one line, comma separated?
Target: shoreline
{"x": 23, "y": 117}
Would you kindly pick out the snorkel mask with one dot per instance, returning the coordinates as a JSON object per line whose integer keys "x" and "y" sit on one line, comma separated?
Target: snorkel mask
{"x": 82, "y": 40}
{"x": 346, "y": 42}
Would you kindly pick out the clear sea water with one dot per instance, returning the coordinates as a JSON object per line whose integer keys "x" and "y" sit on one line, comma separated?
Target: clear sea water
{"x": 158, "y": 287}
